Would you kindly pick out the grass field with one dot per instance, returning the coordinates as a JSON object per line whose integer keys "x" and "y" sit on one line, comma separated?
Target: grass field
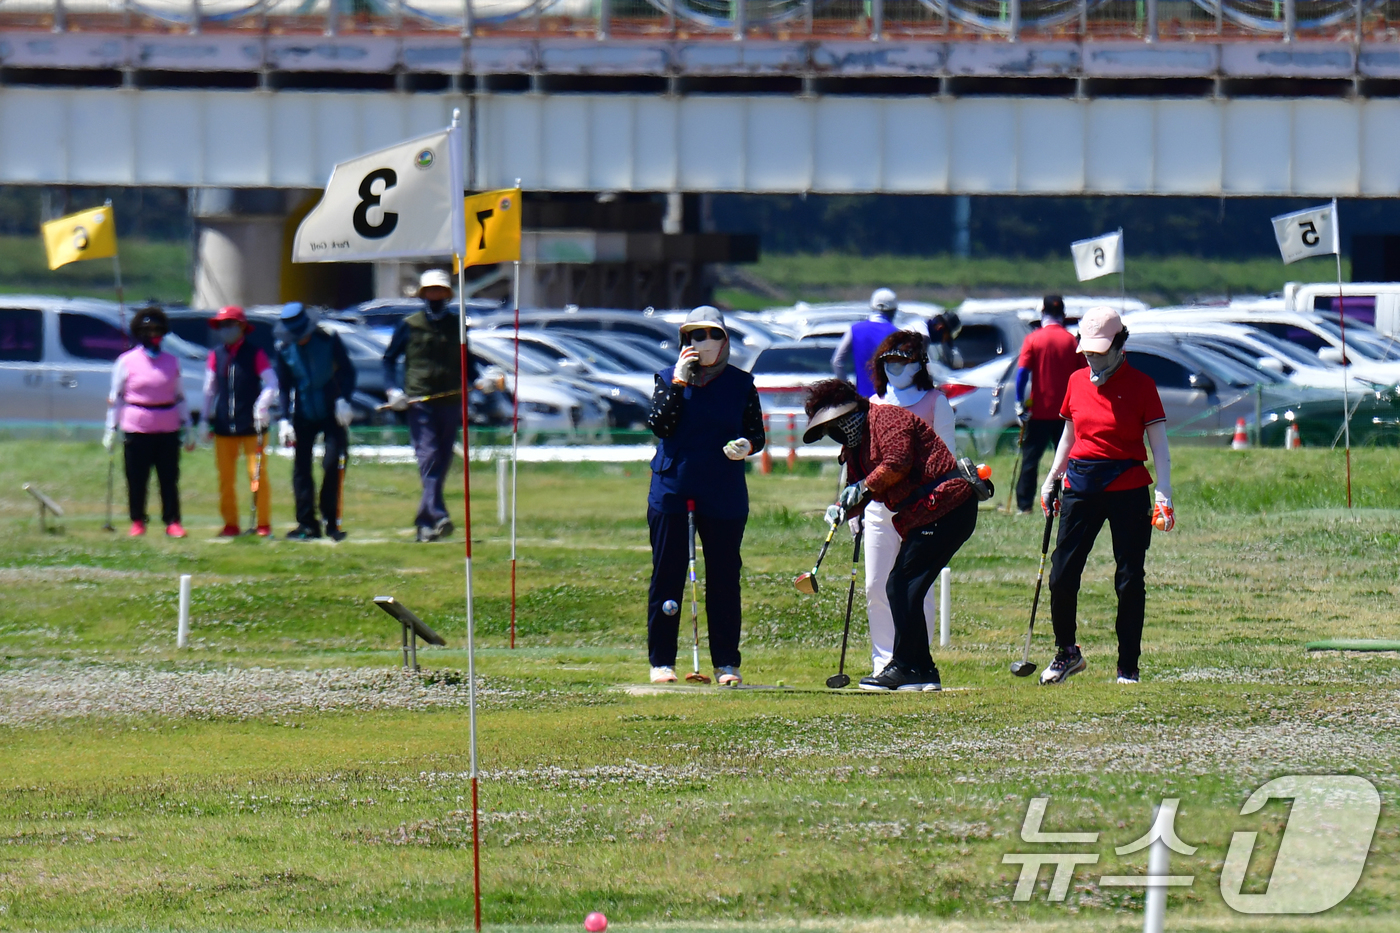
{"x": 281, "y": 774}
{"x": 150, "y": 269}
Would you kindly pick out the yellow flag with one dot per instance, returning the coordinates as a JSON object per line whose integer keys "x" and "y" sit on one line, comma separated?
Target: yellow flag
{"x": 493, "y": 226}
{"x": 84, "y": 235}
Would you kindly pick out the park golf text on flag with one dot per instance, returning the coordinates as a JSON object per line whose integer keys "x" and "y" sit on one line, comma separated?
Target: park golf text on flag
{"x": 1311, "y": 232}
{"x": 84, "y": 235}
{"x": 399, "y": 202}
{"x": 1098, "y": 256}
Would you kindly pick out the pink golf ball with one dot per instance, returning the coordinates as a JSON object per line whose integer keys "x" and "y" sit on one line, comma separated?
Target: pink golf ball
{"x": 595, "y": 922}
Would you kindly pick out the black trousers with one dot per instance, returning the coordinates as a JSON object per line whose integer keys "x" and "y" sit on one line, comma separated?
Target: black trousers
{"x": 670, "y": 555}
{"x": 1129, "y": 516}
{"x": 304, "y": 483}
{"x": 924, "y": 553}
{"x": 1040, "y": 433}
{"x": 140, "y": 452}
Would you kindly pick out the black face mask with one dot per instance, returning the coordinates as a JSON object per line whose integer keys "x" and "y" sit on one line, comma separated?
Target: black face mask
{"x": 437, "y": 307}
{"x": 847, "y": 429}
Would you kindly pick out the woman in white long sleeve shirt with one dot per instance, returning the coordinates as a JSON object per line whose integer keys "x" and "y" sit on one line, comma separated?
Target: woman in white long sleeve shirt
{"x": 899, "y": 372}
{"x": 1100, "y": 476}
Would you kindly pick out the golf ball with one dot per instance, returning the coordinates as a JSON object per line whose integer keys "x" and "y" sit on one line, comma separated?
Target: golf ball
{"x": 596, "y": 922}
{"x": 670, "y": 607}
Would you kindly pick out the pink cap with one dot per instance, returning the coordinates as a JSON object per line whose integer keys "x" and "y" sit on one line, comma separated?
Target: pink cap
{"x": 1097, "y": 328}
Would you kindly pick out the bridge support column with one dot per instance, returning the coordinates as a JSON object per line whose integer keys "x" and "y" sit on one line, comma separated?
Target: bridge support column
{"x": 238, "y": 245}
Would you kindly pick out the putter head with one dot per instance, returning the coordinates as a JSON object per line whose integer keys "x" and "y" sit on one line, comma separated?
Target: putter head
{"x": 695, "y": 677}
{"x": 1023, "y": 668}
{"x": 806, "y": 583}
{"x": 837, "y": 681}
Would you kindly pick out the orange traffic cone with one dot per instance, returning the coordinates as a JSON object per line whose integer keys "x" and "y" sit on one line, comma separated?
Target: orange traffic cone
{"x": 1241, "y": 441}
{"x": 1291, "y": 439}
{"x": 765, "y": 460}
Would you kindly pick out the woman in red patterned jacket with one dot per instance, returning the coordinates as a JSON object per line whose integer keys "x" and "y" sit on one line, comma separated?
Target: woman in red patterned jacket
{"x": 893, "y": 457}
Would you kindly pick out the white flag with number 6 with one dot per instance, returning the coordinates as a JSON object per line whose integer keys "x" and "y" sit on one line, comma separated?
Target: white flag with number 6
{"x": 1313, "y": 232}
{"x": 1098, "y": 256}
{"x": 401, "y": 202}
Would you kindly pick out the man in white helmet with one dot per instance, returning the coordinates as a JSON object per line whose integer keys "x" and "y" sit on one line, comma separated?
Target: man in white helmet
{"x": 857, "y": 347}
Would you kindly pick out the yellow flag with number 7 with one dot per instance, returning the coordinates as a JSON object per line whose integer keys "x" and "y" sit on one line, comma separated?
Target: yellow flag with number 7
{"x": 493, "y": 227}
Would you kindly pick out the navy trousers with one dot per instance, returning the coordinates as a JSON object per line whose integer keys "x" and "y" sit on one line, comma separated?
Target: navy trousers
{"x": 304, "y": 483}
{"x": 670, "y": 555}
{"x": 433, "y": 429}
{"x": 1129, "y": 516}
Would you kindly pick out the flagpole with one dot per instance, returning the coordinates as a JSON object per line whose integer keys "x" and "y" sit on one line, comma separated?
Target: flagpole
{"x": 1342, "y": 319}
{"x": 117, "y": 267}
{"x": 514, "y": 446}
{"x": 1122, "y": 276}
{"x": 459, "y": 254}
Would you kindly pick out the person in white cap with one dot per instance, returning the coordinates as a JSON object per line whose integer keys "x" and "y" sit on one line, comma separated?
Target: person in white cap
{"x": 430, "y": 392}
{"x": 856, "y": 350}
{"x": 707, "y": 418}
{"x": 1100, "y": 475}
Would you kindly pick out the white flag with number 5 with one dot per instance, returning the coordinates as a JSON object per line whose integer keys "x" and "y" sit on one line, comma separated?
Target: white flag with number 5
{"x": 1313, "y": 232}
{"x": 401, "y": 202}
{"x": 1098, "y": 256}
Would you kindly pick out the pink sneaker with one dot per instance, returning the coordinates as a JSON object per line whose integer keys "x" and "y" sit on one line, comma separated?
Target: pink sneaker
{"x": 174, "y": 530}
{"x": 137, "y": 530}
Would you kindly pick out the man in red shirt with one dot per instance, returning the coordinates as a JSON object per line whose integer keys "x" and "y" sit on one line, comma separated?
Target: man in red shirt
{"x": 1108, "y": 406}
{"x": 1048, "y": 357}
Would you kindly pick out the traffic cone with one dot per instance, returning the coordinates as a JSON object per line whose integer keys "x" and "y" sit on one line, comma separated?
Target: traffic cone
{"x": 1291, "y": 440}
{"x": 792, "y": 443}
{"x": 765, "y": 460}
{"x": 1241, "y": 441}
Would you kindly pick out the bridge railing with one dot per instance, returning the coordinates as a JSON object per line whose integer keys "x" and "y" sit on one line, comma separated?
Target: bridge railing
{"x": 1009, "y": 20}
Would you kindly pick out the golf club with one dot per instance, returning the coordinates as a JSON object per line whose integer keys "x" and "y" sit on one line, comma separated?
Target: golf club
{"x": 111, "y": 466}
{"x": 256, "y": 484}
{"x": 807, "y": 582}
{"x": 694, "y": 677}
{"x": 1026, "y": 667}
{"x": 419, "y": 399}
{"x": 840, "y": 678}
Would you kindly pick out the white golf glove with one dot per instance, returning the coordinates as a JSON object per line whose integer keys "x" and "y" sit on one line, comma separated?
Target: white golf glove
{"x": 855, "y": 525}
{"x": 262, "y": 416}
{"x": 1163, "y": 515}
{"x": 397, "y": 400}
{"x": 286, "y": 434}
{"x": 109, "y": 439}
{"x": 854, "y": 496}
{"x": 687, "y": 365}
{"x": 738, "y": 449}
{"x": 834, "y": 515}
{"x": 344, "y": 413}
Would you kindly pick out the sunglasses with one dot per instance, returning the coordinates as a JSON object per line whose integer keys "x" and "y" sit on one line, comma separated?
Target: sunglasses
{"x": 899, "y": 360}
{"x": 704, "y": 333}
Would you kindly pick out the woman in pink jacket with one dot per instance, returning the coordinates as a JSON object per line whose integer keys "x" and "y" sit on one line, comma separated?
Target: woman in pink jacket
{"x": 147, "y": 404}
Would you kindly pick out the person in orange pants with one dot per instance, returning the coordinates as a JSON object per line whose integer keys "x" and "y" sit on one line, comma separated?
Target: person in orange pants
{"x": 240, "y": 386}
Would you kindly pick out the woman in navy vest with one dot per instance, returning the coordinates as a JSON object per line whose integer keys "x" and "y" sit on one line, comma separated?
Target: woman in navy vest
{"x": 707, "y": 416}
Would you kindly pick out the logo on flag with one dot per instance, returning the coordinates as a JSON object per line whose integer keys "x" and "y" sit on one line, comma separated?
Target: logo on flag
{"x": 1311, "y": 232}
{"x": 1098, "y": 256}
{"x": 90, "y": 234}
{"x": 375, "y": 208}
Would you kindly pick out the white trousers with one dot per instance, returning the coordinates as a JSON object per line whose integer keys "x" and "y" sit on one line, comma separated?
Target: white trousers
{"x": 882, "y": 544}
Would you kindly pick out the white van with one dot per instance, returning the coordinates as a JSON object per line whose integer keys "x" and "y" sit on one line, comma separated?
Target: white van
{"x": 1373, "y": 303}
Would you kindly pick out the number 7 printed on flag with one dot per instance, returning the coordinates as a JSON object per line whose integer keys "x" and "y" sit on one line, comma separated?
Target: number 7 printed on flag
{"x": 493, "y": 226}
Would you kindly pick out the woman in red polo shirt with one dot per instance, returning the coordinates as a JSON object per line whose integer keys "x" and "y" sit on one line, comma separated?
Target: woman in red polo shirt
{"x": 1108, "y": 407}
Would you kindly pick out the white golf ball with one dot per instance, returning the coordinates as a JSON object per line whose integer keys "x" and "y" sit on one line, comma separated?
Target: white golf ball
{"x": 670, "y": 607}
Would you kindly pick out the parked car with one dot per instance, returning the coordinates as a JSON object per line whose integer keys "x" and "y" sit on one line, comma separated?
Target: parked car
{"x": 783, "y": 372}
{"x": 382, "y": 315}
{"x": 628, "y": 393}
{"x": 547, "y": 402}
{"x": 56, "y": 359}
{"x": 1027, "y": 307}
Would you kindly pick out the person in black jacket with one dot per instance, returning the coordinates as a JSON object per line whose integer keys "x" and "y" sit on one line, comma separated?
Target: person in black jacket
{"x": 707, "y": 416}
{"x": 240, "y": 386}
{"x": 430, "y": 343}
{"x": 316, "y": 381}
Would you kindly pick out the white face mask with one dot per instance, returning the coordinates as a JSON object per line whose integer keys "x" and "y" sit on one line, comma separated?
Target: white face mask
{"x": 708, "y": 350}
{"x": 231, "y": 333}
{"x": 901, "y": 375}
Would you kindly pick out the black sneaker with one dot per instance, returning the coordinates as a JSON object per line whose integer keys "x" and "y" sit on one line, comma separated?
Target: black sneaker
{"x": 1067, "y": 661}
{"x": 303, "y": 533}
{"x": 444, "y": 528}
{"x": 1127, "y": 677}
{"x": 334, "y": 533}
{"x": 894, "y": 677}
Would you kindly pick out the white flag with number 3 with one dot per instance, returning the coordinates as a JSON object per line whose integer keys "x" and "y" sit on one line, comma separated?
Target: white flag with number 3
{"x": 1313, "y": 232}
{"x": 1098, "y": 256}
{"x": 401, "y": 202}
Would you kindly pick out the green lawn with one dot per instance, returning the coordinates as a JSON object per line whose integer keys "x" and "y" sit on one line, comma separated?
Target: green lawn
{"x": 150, "y": 269}
{"x": 281, "y": 774}
{"x": 947, "y": 279}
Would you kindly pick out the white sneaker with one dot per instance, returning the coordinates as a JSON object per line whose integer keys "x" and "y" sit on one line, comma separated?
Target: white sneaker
{"x": 663, "y": 675}
{"x": 728, "y": 676}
